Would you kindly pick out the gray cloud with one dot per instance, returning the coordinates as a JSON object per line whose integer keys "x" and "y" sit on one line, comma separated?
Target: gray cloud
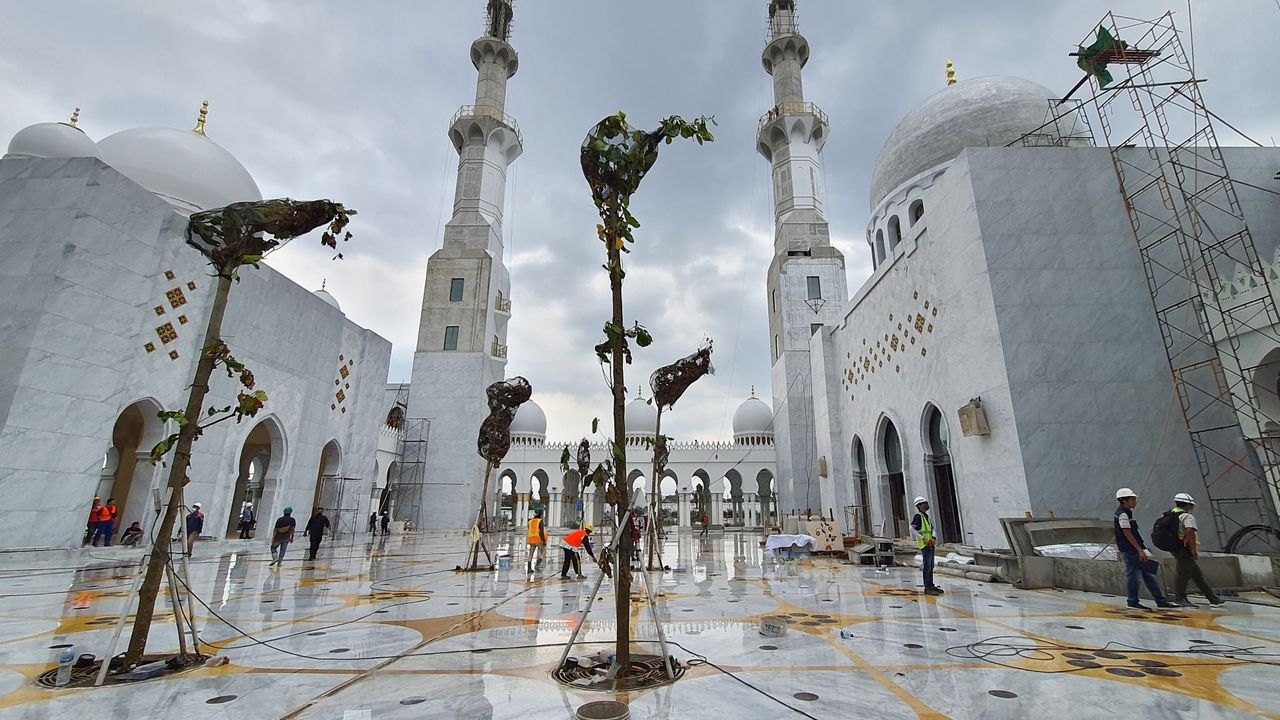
{"x": 352, "y": 102}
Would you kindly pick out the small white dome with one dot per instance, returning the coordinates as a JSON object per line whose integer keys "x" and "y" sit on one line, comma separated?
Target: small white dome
{"x": 52, "y": 140}
{"x": 530, "y": 420}
{"x": 325, "y": 296}
{"x": 753, "y": 417}
{"x": 183, "y": 167}
{"x": 985, "y": 111}
{"x": 641, "y": 418}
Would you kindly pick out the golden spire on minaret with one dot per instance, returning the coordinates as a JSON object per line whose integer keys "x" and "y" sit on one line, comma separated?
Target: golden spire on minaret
{"x": 75, "y": 117}
{"x": 951, "y": 73}
{"x": 204, "y": 115}
{"x": 753, "y": 391}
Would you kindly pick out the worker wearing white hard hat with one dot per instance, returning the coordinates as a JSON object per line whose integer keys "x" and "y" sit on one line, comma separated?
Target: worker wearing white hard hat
{"x": 1187, "y": 552}
{"x": 1133, "y": 552}
{"x": 922, "y": 531}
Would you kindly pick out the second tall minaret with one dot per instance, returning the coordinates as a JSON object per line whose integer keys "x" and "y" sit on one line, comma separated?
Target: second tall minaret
{"x": 807, "y": 285}
{"x": 466, "y": 299}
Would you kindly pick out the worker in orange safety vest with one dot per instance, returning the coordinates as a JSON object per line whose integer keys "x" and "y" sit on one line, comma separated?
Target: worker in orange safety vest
{"x": 537, "y": 539}
{"x": 573, "y": 542}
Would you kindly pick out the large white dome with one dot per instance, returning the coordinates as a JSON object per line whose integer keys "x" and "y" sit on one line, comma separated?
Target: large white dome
{"x": 641, "y": 418}
{"x": 329, "y": 299}
{"x": 51, "y": 140}
{"x": 985, "y": 111}
{"x": 530, "y": 420}
{"x": 183, "y": 167}
{"x": 753, "y": 417}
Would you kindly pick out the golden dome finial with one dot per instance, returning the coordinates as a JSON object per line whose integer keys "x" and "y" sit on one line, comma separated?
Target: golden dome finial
{"x": 322, "y": 283}
{"x": 75, "y": 117}
{"x": 951, "y": 73}
{"x": 753, "y": 391}
{"x": 204, "y": 115}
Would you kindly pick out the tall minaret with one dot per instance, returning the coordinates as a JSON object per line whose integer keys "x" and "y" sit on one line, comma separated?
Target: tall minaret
{"x": 466, "y": 301}
{"x": 807, "y": 288}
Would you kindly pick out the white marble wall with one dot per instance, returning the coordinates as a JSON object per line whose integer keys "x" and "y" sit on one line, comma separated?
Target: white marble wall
{"x": 101, "y": 246}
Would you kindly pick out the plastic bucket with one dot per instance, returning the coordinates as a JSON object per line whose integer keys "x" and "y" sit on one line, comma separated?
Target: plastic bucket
{"x": 773, "y": 626}
{"x": 504, "y": 562}
{"x": 604, "y": 710}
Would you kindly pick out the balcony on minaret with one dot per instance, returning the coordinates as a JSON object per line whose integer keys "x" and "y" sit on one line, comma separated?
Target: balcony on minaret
{"x": 483, "y": 113}
{"x": 782, "y": 19}
{"x": 502, "y": 305}
{"x": 791, "y": 109}
{"x": 498, "y": 350}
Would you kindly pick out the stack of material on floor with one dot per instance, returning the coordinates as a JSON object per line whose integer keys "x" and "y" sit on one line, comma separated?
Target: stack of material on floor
{"x": 824, "y": 531}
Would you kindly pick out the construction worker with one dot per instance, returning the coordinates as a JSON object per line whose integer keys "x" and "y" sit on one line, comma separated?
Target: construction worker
{"x": 1133, "y": 551}
{"x": 572, "y": 543}
{"x": 1187, "y": 553}
{"x": 922, "y": 531}
{"x": 537, "y": 538}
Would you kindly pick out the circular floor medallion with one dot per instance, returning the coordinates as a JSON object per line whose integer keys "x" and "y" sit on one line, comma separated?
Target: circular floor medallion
{"x": 1109, "y": 655}
{"x": 806, "y": 696}
{"x": 1162, "y": 672}
{"x": 1002, "y": 694}
{"x": 1085, "y": 664}
{"x": 768, "y": 647}
{"x": 1125, "y": 672}
{"x": 1077, "y": 656}
{"x": 913, "y": 646}
{"x": 220, "y": 699}
{"x": 413, "y": 701}
{"x": 337, "y": 651}
{"x": 317, "y": 633}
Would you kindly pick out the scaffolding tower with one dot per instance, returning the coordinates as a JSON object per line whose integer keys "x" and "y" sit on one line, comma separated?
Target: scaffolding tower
{"x": 405, "y": 484}
{"x": 1193, "y": 239}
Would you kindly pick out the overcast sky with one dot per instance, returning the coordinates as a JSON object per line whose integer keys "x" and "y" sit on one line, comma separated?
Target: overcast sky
{"x": 351, "y": 101}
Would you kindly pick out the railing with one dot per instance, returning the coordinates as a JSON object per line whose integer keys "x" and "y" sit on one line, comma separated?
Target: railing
{"x": 491, "y": 112}
{"x": 800, "y": 108}
{"x": 502, "y": 305}
{"x": 498, "y": 350}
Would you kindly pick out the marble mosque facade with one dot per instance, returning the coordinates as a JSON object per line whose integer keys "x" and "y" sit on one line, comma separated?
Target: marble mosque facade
{"x": 105, "y": 311}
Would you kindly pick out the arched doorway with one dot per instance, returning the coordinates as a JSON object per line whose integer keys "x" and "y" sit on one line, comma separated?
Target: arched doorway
{"x": 892, "y": 480}
{"x": 937, "y": 462}
{"x": 261, "y": 455}
{"x": 504, "y": 506}
{"x": 136, "y": 431}
{"x": 702, "y": 498}
{"x": 764, "y": 491}
{"x": 863, "y": 506}
{"x": 669, "y": 491}
{"x": 734, "y": 489}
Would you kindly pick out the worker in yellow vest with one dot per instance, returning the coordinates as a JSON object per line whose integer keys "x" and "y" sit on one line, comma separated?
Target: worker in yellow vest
{"x": 922, "y": 531}
{"x": 537, "y": 539}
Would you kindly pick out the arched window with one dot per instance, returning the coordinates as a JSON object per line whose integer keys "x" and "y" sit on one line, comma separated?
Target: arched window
{"x": 916, "y": 212}
{"x": 879, "y": 247}
{"x": 395, "y": 418}
{"x": 895, "y": 232}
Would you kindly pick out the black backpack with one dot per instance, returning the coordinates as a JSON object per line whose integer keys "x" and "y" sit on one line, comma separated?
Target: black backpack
{"x": 1164, "y": 533}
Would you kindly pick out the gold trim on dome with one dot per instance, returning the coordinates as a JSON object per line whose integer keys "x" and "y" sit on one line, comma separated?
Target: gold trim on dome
{"x": 75, "y": 118}
{"x": 951, "y": 73}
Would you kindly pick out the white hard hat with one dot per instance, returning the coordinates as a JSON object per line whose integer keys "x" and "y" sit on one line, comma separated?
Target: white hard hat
{"x": 195, "y": 505}
{"x": 1123, "y": 493}
{"x": 920, "y": 500}
{"x": 1184, "y": 498}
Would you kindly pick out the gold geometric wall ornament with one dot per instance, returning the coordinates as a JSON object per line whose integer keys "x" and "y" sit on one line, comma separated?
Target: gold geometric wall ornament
{"x": 159, "y": 310}
{"x": 333, "y": 406}
{"x": 191, "y": 286}
{"x": 344, "y": 409}
{"x": 182, "y": 320}
{"x": 176, "y": 298}
{"x": 168, "y": 275}
{"x": 926, "y": 304}
{"x": 894, "y": 342}
{"x": 342, "y": 397}
{"x": 924, "y": 351}
{"x": 915, "y": 295}
{"x": 173, "y": 354}
{"x": 930, "y": 328}
{"x": 919, "y": 324}
{"x": 150, "y": 347}
{"x": 935, "y": 311}
{"x": 344, "y": 372}
{"x": 167, "y": 333}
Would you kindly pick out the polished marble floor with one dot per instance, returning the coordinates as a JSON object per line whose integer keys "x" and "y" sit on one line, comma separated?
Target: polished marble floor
{"x": 381, "y": 629}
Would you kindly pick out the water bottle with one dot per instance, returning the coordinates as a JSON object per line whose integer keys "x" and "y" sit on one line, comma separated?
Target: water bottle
{"x": 65, "y": 660}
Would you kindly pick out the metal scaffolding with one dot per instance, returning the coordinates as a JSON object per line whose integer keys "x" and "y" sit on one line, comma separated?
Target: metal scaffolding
{"x": 1193, "y": 239}
{"x": 405, "y": 484}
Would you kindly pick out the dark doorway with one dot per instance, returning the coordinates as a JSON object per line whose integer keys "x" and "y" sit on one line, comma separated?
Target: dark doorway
{"x": 894, "y": 480}
{"x": 937, "y": 458}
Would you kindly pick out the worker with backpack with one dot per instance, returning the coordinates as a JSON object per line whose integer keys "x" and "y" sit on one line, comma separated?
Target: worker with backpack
{"x": 1176, "y": 531}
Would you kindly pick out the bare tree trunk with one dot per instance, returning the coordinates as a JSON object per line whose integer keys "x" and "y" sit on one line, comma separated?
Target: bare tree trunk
{"x": 621, "y": 565}
{"x": 177, "y": 475}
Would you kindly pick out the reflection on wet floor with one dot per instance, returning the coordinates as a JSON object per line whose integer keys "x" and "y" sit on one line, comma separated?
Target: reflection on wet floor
{"x": 385, "y": 629}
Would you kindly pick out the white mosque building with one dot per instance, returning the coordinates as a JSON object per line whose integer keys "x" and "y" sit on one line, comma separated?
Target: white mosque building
{"x": 1007, "y": 291}
{"x": 105, "y": 306}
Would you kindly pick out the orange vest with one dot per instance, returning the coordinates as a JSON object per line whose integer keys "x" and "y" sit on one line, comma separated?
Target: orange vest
{"x": 104, "y": 514}
{"x": 574, "y": 538}
{"x": 535, "y": 531}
